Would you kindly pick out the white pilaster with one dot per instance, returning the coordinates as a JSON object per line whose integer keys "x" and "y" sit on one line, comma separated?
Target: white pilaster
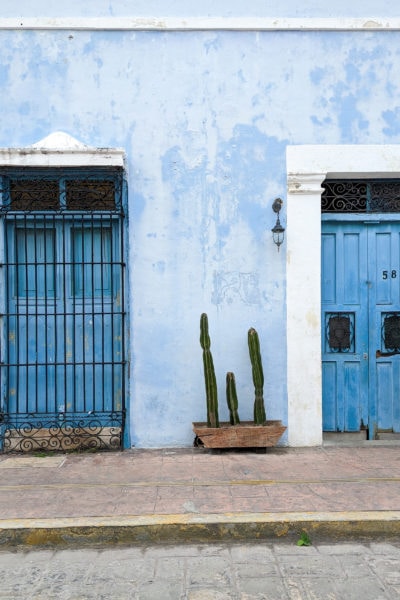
{"x": 303, "y": 309}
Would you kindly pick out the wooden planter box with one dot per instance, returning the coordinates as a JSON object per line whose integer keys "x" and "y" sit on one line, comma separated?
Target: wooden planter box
{"x": 245, "y": 435}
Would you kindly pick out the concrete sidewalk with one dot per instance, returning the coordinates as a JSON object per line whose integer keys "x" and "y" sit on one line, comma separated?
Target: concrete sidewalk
{"x": 199, "y": 495}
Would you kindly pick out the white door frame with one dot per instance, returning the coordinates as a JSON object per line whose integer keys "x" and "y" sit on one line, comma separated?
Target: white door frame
{"x": 307, "y": 167}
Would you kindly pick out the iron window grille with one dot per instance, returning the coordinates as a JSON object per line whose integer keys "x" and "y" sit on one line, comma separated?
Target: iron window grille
{"x": 62, "y": 322}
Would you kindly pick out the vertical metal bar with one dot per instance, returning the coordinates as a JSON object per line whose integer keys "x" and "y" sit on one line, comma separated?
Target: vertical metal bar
{"x": 6, "y": 324}
{"x": 93, "y": 262}
{"x": 46, "y": 314}
{"x": 14, "y": 308}
{"x": 67, "y": 345}
{"x": 60, "y": 300}
{"x": 83, "y": 312}
{"x": 52, "y": 305}
{"x": 112, "y": 305}
{"x": 3, "y": 287}
{"x": 4, "y": 358}
{"x": 35, "y": 312}
{"x": 122, "y": 279}
{"x": 75, "y": 338}
{"x": 103, "y": 391}
{"x": 25, "y": 263}
{"x": 48, "y": 223}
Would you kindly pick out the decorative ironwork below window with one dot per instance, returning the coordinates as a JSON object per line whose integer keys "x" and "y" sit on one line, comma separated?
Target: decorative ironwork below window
{"x": 360, "y": 196}
{"x": 339, "y": 332}
{"x": 27, "y": 432}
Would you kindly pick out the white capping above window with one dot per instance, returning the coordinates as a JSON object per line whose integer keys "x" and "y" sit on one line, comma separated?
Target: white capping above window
{"x": 61, "y": 150}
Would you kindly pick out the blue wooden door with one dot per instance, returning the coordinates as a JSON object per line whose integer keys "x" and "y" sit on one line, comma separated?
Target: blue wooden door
{"x": 361, "y": 326}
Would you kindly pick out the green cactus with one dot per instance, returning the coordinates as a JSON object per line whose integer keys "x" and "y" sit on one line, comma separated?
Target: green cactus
{"x": 209, "y": 374}
{"x": 231, "y": 398}
{"x": 258, "y": 376}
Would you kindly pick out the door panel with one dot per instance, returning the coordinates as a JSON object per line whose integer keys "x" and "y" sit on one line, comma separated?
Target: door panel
{"x": 344, "y": 319}
{"x": 384, "y": 300}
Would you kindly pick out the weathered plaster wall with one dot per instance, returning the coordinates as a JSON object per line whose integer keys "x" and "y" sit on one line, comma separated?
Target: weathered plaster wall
{"x": 205, "y": 119}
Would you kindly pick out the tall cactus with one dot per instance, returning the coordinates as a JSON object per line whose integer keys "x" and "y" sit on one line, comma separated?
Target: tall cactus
{"x": 209, "y": 374}
{"x": 231, "y": 398}
{"x": 258, "y": 376}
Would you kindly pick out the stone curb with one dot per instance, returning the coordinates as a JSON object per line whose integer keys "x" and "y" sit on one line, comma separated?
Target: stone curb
{"x": 197, "y": 528}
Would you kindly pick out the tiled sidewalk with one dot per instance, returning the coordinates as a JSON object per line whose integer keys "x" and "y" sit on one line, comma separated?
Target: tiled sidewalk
{"x": 195, "y": 485}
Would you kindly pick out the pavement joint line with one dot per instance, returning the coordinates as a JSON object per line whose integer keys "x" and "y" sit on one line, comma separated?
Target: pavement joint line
{"x": 220, "y": 483}
{"x": 199, "y": 519}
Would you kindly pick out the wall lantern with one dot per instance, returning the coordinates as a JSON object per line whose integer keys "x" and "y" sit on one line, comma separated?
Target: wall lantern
{"x": 278, "y": 232}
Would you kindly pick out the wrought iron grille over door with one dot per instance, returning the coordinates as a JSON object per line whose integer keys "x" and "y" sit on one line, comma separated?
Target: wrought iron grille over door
{"x": 62, "y": 325}
{"x": 360, "y": 196}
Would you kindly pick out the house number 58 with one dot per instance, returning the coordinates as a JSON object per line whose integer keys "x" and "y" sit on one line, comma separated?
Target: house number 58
{"x": 392, "y": 274}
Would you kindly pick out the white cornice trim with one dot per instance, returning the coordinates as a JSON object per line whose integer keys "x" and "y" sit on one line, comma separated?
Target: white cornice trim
{"x": 61, "y": 150}
{"x": 204, "y": 23}
{"x": 307, "y": 161}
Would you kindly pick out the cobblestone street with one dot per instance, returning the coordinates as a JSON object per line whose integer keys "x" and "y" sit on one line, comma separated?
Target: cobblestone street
{"x": 258, "y": 571}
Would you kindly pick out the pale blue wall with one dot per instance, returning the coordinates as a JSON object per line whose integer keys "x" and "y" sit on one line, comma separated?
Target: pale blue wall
{"x": 205, "y": 118}
{"x": 225, "y": 8}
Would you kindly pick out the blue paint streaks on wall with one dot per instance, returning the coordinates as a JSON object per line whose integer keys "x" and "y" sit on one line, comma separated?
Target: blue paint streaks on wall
{"x": 45, "y": 64}
{"x": 348, "y": 116}
{"x": 138, "y": 205}
{"x": 24, "y": 108}
{"x": 392, "y": 120}
{"x": 4, "y": 74}
{"x": 249, "y": 161}
{"x": 317, "y": 75}
{"x": 354, "y": 74}
{"x": 321, "y": 122}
